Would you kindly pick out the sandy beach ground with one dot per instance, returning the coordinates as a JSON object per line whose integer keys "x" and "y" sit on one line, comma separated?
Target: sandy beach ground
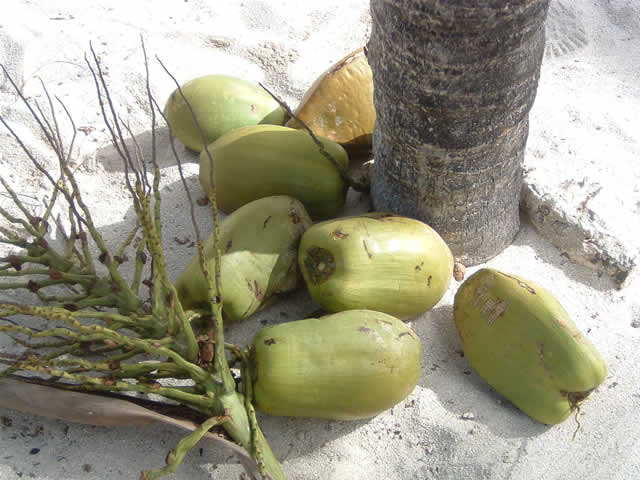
{"x": 581, "y": 204}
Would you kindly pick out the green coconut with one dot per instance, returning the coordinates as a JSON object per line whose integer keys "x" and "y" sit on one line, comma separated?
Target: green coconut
{"x": 519, "y": 339}
{"x": 263, "y": 160}
{"x": 221, "y": 103}
{"x": 259, "y": 245}
{"x": 344, "y": 366}
{"x": 376, "y": 261}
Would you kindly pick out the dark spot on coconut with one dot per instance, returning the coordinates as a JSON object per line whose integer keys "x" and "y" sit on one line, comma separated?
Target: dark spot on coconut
{"x": 246, "y": 313}
{"x": 575, "y": 398}
{"x": 319, "y": 264}
{"x": 493, "y": 308}
{"x": 257, "y": 291}
{"x": 337, "y": 234}
{"x": 270, "y": 341}
{"x": 429, "y": 280}
{"x": 293, "y": 215}
{"x": 404, "y": 333}
{"x": 540, "y": 347}
{"x": 419, "y": 267}
{"x": 364, "y": 244}
{"x": 521, "y": 284}
{"x": 364, "y": 329}
{"x": 380, "y": 216}
{"x": 571, "y": 330}
{"x": 481, "y": 290}
{"x": 264, "y": 225}
{"x": 228, "y": 246}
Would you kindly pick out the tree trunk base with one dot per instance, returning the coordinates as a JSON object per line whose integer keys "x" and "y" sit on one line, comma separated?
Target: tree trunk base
{"x": 453, "y": 86}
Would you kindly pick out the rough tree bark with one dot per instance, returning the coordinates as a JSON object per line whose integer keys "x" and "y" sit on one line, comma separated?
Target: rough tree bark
{"x": 453, "y": 84}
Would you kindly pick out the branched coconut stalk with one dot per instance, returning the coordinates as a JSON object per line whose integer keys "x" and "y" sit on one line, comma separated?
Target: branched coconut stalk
{"x": 242, "y": 429}
{"x": 99, "y": 332}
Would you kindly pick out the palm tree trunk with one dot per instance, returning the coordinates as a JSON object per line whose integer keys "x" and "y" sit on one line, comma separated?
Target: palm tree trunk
{"x": 453, "y": 85}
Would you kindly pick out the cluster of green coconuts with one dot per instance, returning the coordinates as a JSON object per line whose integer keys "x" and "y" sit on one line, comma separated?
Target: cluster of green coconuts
{"x": 372, "y": 271}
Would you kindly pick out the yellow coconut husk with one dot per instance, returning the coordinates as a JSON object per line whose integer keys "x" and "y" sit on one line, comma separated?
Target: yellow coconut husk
{"x": 339, "y": 104}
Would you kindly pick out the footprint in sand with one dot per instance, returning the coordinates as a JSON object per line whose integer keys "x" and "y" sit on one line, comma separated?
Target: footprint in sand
{"x": 565, "y": 31}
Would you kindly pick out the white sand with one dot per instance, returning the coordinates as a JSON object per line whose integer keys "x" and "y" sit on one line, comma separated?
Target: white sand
{"x": 584, "y": 135}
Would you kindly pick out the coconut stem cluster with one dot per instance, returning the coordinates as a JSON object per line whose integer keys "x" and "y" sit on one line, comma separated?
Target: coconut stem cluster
{"x": 101, "y": 331}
